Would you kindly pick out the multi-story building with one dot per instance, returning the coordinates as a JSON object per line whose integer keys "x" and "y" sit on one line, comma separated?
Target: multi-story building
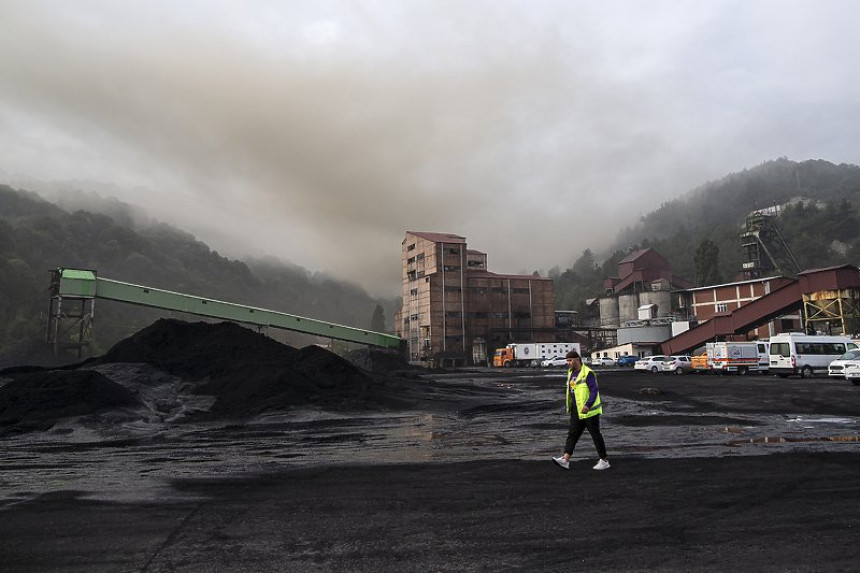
{"x": 455, "y": 311}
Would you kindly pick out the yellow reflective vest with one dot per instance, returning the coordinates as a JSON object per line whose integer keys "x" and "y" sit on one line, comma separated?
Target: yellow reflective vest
{"x": 579, "y": 389}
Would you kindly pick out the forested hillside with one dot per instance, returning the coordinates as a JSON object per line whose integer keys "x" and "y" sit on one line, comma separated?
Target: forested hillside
{"x": 704, "y": 226}
{"x": 697, "y": 233}
{"x": 37, "y": 236}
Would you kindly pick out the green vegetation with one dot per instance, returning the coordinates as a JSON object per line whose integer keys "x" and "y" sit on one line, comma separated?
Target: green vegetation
{"x": 699, "y": 233}
{"x": 37, "y": 236}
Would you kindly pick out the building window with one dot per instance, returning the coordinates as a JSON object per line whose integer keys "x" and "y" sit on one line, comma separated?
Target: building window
{"x": 420, "y": 256}
{"x": 451, "y": 268}
{"x": 414, "y": 293}
{"x": 455, "y": 289}
{"x": 473, "y": 264}
{"x": 722, "y": 307}
{"x": 521, "y": 291}
{"x": 453, "y": 251}
{"x": 411, "y": 260}
{"x": 411, "y": 275}
{"x": 411, "y": 247}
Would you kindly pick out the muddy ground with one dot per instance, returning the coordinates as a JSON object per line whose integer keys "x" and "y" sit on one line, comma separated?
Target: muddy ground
{"x": 194, "y": 449}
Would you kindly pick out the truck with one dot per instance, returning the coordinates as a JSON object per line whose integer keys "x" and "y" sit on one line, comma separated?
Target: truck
{"x": 701, "y": 363}
{"x": 740, "y": 357}
{"x": 515, "y": 354}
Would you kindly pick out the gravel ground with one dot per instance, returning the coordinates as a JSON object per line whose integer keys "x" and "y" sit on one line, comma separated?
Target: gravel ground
{"x": 445, "y": 471}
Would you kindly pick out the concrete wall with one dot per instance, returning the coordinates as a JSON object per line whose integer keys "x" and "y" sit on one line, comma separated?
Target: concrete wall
{"x": 644, "y": 334}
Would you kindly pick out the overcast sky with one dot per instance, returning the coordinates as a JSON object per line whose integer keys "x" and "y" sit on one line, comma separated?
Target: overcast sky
{"x": 321, "y": 131}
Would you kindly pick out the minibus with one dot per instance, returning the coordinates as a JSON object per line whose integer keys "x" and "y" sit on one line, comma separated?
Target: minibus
{"x": 805, "y": 354}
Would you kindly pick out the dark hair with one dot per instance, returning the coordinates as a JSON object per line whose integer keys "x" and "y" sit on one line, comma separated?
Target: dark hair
{"x": 572, "y": 354}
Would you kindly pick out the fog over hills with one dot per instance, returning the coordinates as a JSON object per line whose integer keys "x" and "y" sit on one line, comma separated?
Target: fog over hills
{"x": 317, "y": 132}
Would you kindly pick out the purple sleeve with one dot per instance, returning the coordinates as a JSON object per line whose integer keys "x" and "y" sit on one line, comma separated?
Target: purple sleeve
{"x": 591, "y": 381}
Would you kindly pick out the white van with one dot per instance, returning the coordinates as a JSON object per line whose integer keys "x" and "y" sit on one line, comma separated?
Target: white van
{"x": 805, "y": 354}
{"x": 763, "y": 355}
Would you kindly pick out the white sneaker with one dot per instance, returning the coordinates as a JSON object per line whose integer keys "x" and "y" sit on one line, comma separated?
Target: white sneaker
{"x": 561, "y": 463}
{"x": 602, "y": 465}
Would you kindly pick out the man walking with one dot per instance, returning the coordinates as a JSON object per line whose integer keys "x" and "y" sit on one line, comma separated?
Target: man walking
{"x": 582, "y": 402}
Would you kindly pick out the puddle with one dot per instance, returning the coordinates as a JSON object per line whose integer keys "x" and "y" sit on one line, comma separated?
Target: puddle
{"x": 826, "y": 420}
{"x": 783, "y": 439}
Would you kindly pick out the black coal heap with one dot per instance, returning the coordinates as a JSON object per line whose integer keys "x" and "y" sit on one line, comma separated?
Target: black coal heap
{"x": 247, "y": 372}
{"x": 36, "y": 400}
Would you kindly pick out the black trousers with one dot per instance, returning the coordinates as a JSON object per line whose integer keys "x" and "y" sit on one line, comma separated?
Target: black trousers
{"x": 577, "y": 426}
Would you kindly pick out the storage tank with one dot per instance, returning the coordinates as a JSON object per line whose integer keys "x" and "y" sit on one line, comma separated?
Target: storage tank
{"x": 628, "y": 307}
{"x": 661, "y": 298}
{"x": 609, "y": 312}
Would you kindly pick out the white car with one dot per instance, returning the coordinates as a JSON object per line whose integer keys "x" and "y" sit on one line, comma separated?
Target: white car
{"x": 554, "y": 362}
{"x": 838, "y": 368}
{"x": 602, "y": 362}
{"x": 650, "y": 363}
{"x": 852, "y": 374}
{"x": 677, "y": 364}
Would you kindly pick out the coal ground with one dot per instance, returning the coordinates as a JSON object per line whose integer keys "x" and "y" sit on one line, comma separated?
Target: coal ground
{"x": 209, "y": 447}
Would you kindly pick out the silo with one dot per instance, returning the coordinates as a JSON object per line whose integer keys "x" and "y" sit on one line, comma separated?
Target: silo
{"x": 609, "y": 312}
{"x": 628, "y": 307}
{"x": 661, "y": 298}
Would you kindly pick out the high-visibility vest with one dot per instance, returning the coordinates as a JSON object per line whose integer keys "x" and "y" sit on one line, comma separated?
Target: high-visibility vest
{"x": 581, "y": 393}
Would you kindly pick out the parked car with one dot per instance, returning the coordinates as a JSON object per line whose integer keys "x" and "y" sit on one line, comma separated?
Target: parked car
{"x": 602, "y": 361}
{"x": 554, "y": 362}
{"x": 650, "y": 363}
{"x": 852, "y": 374}
{"x": 838, "y": 367}
{"x": 626, "y": 360}
{"x": 677, "y": 365}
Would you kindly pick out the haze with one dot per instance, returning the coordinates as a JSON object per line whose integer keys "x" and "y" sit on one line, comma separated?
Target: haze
{"x": 320, "y": 131}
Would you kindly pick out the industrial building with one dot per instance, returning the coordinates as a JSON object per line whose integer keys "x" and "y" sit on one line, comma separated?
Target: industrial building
{"x": 704, "y": 303}
{"x": 645, "y": 283}
{"x": 456, "y": 312}
{"x": 648, "y": 304}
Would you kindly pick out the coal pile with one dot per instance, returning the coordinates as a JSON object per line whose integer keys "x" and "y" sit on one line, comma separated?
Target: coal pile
{"x": 247, "y": 372}
{"x": 34, "y": 401}
{"x": 383, "y": 361}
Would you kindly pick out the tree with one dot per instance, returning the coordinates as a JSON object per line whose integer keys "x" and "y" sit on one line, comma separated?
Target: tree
{"x": 707, "y": 257}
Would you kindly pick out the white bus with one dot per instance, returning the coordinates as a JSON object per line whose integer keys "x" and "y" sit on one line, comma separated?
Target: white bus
{"x": 805, "y": 354}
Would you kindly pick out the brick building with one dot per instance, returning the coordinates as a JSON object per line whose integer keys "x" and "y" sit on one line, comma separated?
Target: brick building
{"x": 703, "y": 303}
{"x": 455, "y": 311}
